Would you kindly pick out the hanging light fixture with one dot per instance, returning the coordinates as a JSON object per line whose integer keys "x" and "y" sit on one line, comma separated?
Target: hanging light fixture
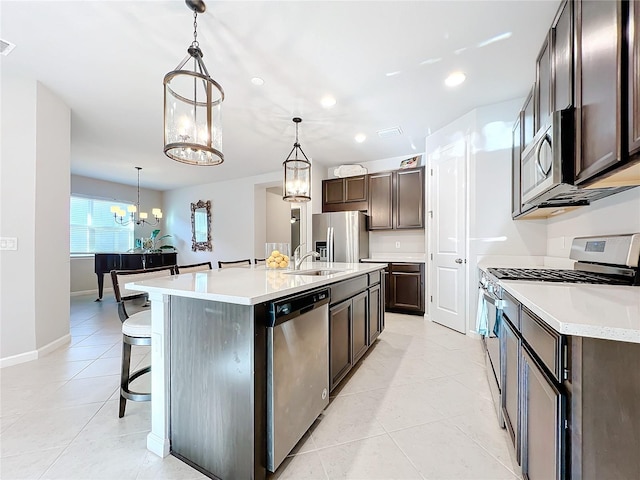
{"x": 192, "y": 103}
{"x": 141, "y": 217}
{"x": 297, "y": 173}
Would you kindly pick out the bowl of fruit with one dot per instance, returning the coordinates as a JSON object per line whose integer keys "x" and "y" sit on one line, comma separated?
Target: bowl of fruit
{"x": 277, "y": 255}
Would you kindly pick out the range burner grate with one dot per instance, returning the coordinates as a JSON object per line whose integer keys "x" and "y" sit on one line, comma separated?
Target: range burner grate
{"x": 567, "y": 276}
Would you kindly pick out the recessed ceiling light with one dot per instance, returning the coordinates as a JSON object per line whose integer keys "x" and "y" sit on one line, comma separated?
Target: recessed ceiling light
{"x": 257, "y": 81}
{"x": 454, "y": 79}
{"x": 391, "y": 74}
{"x": 361, "y": 137}
{"x": 328, "y": 101}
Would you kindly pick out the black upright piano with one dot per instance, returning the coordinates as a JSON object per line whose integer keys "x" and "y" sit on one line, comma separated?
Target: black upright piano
{"x": 105, "y": 262}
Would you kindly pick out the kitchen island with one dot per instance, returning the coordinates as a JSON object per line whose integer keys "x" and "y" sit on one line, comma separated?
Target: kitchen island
{"x": 209, "y": 357}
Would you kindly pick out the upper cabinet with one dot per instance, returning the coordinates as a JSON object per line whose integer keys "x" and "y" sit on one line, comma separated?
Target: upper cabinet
{"x": 634, "y": 78}
{"x": 345, "y": 194}
{"x": 600, "y": 106}
{"x": 543, "y": 86}
{"x": 562, "y": 58}
{"x": 396, "y": 200}
{"x": 528, "y": 119}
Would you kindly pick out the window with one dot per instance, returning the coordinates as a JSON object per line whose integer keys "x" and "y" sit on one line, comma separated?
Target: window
{"x": 93, "y": 228}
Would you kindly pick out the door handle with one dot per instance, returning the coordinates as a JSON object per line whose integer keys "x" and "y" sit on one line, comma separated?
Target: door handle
{"x": 458, "y": 260}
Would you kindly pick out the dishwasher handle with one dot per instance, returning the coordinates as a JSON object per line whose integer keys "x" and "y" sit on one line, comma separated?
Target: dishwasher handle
{"x": 289, "y": 308}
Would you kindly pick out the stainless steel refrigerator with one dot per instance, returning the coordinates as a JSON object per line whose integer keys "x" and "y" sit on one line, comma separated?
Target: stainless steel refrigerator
{"x": 340, "y": 236}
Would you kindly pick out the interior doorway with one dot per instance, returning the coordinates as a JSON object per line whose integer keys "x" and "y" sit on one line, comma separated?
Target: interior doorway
{"x": 295, "y": 227}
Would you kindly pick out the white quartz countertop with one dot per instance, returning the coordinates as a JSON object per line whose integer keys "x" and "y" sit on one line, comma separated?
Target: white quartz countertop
{"x": 251, "y": 285}
{"x": 396, "y": 258}
{"x": 609, "y": 312}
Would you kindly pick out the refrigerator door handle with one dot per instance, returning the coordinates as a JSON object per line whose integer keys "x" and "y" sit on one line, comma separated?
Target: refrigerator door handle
{"x": 330, "y": 244}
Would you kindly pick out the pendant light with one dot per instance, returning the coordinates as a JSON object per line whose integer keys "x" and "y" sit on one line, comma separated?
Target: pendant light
{"x": 192, "y": 104}
{"x": 135, "y": 215}
{"x": 297, "y": 173}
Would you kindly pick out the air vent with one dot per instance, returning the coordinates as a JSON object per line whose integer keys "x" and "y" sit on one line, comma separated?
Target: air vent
{"x": 389, "y": 132}
{"x": 6, "y": 47}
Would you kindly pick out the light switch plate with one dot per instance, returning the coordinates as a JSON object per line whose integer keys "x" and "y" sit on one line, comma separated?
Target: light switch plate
{"x": 8, "y": 243}
{"x": 397, "y": 244}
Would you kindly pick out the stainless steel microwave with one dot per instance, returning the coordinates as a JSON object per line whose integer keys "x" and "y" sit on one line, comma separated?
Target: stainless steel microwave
{"x": 547, "y": 163}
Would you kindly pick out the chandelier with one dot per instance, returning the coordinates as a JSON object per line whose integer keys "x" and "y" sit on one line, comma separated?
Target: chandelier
{"x": 120, "y": 216}
{"x": 192, "y": 103}
{"x": 297, "y": 173}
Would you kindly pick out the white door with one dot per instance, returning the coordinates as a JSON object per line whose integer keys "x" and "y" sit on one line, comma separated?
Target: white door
{"x": 448, "y": 236}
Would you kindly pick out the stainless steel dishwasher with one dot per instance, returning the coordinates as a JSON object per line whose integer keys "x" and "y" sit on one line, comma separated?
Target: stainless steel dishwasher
{"x": 297, "y": 370}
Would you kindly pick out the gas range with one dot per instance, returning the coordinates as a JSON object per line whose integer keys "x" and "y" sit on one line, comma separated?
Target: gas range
{"x": 606, "y": 260}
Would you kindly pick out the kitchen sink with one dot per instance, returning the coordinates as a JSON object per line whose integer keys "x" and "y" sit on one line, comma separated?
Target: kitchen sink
{"x": 313, "y": 272}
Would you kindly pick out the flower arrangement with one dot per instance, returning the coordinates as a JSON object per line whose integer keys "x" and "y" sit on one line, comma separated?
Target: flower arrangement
{"x": 153, "y": 244}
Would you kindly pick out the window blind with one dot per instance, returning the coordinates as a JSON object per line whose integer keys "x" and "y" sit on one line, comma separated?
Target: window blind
{"x": 93, "y": 228}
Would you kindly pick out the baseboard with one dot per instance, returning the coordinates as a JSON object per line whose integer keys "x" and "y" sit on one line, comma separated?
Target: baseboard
{"x": 35, "y": 354}
{"x": 50, "y": 347}
{"x": 17, "y": 359}
{"x": 473, "y": 334}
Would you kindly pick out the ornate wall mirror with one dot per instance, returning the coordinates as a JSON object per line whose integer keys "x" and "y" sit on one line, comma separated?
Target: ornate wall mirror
{"x": 201, "y": 226}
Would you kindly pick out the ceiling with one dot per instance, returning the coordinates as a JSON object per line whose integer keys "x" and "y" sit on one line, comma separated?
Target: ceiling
{"x": 107, "y": 60}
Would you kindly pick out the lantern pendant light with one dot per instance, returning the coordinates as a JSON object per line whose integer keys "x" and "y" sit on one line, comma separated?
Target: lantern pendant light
{"x": 297, "y": 173}
{"x": 192, "y": 104}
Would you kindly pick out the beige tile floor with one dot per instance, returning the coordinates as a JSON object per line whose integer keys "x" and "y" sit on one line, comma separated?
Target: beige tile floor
{"x": 417, "y": 406}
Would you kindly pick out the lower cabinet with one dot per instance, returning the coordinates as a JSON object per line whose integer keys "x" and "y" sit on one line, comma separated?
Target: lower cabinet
{"x": 510, "y": 344}
{"x": 354, "y": 324}
{"x": 543, "y": 423}
{"x": 406, "y": 288}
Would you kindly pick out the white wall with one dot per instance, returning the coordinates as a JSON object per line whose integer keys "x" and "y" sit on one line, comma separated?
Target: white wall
{"x": 278, "y": 225}
{"x": 384, "y": 241}
{"x": 34, "y": 206}
{"x": 616, "y": 214}
{"x": 82, "y": 276}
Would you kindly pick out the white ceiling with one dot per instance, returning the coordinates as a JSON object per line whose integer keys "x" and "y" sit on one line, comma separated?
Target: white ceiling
{"x": 107, "y": 60}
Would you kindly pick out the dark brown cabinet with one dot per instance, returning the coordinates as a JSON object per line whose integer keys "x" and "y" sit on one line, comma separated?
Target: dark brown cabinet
{"x": 528, "y": 119}
{"x": 543, "y": 86}
{"x": 396, "y": 200}
{"x": 510, "y": 344}
{"x": 543, "y": 423}
{"x": 516, "y": 152}
{"x": 356, "y": 318}
{"x": 340, "y": 341}
{"x": 406, "y": 288}
{"x": 360, "y": 320}
{"x": 599, "y": 92}
{"x": 345, "y": 194}
{"x": 634, "y": 78}
{"x": 562, "y": 58}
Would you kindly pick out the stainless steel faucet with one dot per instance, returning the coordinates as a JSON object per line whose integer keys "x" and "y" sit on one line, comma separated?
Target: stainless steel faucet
{"x": 297, "y": 259}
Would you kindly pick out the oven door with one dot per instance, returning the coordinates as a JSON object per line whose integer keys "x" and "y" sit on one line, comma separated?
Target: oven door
{"x": 492, "y": 350}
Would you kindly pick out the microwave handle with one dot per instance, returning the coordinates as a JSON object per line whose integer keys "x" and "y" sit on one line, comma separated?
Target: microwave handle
{"x": 541, "y": 169}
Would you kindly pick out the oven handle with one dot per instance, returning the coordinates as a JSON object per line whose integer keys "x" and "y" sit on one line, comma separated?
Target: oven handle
{"x": 492, "y": 299}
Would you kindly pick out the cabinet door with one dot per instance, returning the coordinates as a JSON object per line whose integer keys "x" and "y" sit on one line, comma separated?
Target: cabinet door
{"x": 407, "y": 291}
{"x": 634, "y": 77}
{"x": 543, "y": 86}
{"x": 381, "y": 201}
{"x": 516, "y": 151}
{"x": 355, "y": 189}
{"x": 360, "y": 321}
{"x": 375, "y": 313}
{"x": 510, "y": 369}
{"x": 528, "y": 120}
{"x": 562, "y": 52}
{"x": 387, "y": 289}
{"x": 598, "y": 88}
{"x": 409, "y": 206}
{"x": 340, "y": 342}
{"x": 543, "y": 419}
{"x": 333, "y": 191}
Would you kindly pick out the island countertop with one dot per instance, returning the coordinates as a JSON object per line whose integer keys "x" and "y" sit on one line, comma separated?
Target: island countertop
{"x": 252, "y": 285}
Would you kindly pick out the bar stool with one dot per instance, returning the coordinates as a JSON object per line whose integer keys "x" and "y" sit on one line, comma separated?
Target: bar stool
{"x": 235, "y": 263}
{"x": 194, "y": 267}
{"x": 136, "y": 328}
